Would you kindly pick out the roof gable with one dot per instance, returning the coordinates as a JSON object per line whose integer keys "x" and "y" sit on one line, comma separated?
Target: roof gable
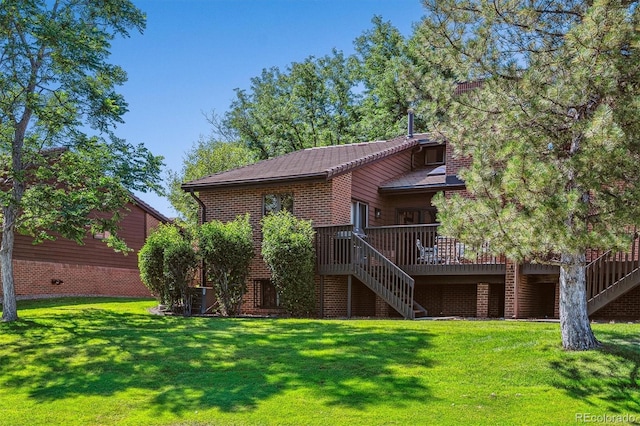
{"x": 312, "y": 163}
{"x": 148, "y": 209}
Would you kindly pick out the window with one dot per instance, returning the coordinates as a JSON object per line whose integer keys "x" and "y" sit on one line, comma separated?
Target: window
{"x": 416, "y": 216}
{"x": 434, "y": 155}
{"x": 273, "y": 203}
{"x": 267, "y": 296}
{"x": 359, "y": 216}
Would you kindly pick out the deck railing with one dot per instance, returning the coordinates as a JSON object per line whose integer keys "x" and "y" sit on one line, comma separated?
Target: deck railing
{"x": 612, "y": 274}
{"x": 333, "y": 249}
{"x": 341, "y": 251}
{"x": 411, "y": 247}
{"x": 416, "y": 245}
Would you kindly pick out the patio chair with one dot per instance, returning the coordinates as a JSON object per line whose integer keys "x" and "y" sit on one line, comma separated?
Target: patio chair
{"x": 450, "y": 250}
{"x": 459, "y": 252}
{"x": 427, "y": 254}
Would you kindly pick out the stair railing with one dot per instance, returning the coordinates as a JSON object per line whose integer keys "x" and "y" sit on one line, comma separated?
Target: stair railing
{"x": 382, "y": 276}
{"x": 609, "y": 270}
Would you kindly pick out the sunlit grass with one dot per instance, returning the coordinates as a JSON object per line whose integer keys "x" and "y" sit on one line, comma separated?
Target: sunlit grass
{"x": 108, "y": 361}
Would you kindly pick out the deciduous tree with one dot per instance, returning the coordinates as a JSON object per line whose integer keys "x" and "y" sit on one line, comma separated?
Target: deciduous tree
{"x": 310, "y": 104}
{"x": 382, "y": 55}
{"x": 205, "y": 158}
{"x": 63, "y": 171}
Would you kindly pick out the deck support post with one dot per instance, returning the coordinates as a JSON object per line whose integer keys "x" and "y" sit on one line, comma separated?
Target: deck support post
{"x": 482, "y": 300}
{"x": 349, "y": 279}
{"x": 321, "y": 307}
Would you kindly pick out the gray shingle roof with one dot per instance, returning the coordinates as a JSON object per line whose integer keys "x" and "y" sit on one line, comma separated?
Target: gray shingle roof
{"x": 421, "y": 178}
{"x": 313, "y": 163}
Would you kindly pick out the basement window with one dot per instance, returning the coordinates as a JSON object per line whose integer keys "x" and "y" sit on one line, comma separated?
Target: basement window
{"x": 266, "y": 295}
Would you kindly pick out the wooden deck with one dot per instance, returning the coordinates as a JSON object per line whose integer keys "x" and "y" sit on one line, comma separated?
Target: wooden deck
{"x": 387, "y": 258}
{"x": 416, "y": 249}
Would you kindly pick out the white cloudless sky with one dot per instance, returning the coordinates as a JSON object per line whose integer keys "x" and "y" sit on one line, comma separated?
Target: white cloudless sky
{"x": 194, "y": 53}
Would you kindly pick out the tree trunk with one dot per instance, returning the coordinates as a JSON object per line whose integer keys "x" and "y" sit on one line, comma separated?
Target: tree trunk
{"x": 574, "y": 321}
{"x": 9, "y": 307}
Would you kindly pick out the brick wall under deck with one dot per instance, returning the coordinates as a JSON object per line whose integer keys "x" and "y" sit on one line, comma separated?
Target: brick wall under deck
{"x": 34, "y": 279}
{"x": 363, "y": 300}
{"x": 627, "y": 307}
{"x": 335, "y": 296}
{"x": 447, "y": 299}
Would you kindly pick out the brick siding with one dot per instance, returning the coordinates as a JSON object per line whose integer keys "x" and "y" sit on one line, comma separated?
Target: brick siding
{"x": 335, "y": 296}
{"x": 626, "y": 307}
{"x": 34, "y": 279}
{"x": 318, "y": 201}
{"x": 447, "y": 299}
{"x": 482, "y": 301}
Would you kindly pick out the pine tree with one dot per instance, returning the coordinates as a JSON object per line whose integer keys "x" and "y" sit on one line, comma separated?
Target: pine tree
{"x": 553, "y": 133}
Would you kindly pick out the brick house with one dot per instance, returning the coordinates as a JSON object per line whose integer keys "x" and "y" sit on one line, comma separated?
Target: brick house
{"x": 378, "y": 249}
{"x": 64, "y": 268}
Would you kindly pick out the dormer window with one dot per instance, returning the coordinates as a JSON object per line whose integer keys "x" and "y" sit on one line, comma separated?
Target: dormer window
{"x": 434, "y": 155}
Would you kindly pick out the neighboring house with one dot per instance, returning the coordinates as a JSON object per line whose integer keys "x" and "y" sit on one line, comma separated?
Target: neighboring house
{"x": 62, "y": 267}
{"x": 378, "y": 250}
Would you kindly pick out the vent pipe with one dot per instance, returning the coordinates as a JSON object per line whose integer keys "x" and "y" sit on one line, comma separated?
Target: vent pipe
{"x": 410, "y": 124}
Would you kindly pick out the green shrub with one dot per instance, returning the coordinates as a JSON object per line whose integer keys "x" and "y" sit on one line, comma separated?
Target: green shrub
{"x": 180, "y": 262}
{"x": 151, "y": 262}
{"x": 227, "y": 250}
{"x": 287, "y": 248}
{"x": 167, "y": 262}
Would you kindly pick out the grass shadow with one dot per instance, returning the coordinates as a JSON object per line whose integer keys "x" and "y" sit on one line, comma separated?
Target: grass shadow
{"x": 197, "y": 363}
{"x": 606, "y": 377}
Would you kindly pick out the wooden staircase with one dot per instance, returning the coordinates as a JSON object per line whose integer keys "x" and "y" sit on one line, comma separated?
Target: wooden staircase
{"x": 418, "y": 310}
{"x": 612, "y": 275}
{"x": 383, "y": 277}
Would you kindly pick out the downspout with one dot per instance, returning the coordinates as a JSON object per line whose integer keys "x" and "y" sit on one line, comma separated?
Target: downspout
{"x": 203, "y": 209}
{"x": 516, "y": 279}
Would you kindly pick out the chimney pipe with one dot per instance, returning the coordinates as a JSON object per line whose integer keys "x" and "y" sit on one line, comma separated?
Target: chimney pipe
{"x": 410, "y": 124}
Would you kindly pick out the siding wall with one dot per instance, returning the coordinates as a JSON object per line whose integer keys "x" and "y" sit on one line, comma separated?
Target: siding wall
{"x": 89, "y": 269}
{"x": 393, "y": 203}
{"x": 365, "y": 183}
{"x": 133, "y": 229}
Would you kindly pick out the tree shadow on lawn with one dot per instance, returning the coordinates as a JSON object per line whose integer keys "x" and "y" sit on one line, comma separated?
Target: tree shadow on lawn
{"x": 609, "y": 375}
{"x": 198, "y": 363}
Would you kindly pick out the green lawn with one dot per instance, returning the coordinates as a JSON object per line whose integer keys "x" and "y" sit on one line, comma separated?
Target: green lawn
{"x": 108, "y": 361}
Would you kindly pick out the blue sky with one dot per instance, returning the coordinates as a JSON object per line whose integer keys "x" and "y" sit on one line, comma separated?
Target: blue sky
{"x": 194, "y": 53}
